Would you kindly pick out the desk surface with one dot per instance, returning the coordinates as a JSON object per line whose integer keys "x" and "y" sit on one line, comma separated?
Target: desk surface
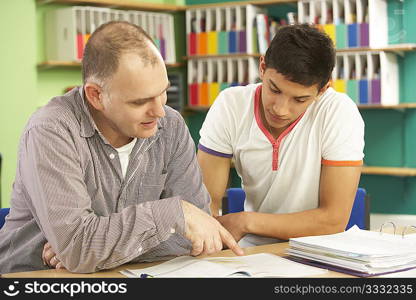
{"x": 278, "y": 249}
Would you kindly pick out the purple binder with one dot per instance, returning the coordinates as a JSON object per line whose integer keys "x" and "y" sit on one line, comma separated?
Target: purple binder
{"x": 341, "y": 269}
{"x": 242, "y": 41}
{"x": 364, "y": 35}
{"x": 375, "y": 91}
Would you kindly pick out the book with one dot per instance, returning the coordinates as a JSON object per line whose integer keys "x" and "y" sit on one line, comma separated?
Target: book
{"x": 358, "y": 252}
{"x": 255, "y": 265}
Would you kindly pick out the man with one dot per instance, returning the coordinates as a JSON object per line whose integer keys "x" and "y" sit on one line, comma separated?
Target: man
{"x": 297, "y": 144}
{"x": 107, "y": 174}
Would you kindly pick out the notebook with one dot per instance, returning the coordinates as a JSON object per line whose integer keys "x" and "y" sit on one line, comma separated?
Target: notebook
{"x": 358, "y": 252}
{"x": 255, "y": 265}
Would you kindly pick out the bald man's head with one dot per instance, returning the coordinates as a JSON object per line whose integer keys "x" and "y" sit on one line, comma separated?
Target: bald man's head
{"x": 106, "y": 45}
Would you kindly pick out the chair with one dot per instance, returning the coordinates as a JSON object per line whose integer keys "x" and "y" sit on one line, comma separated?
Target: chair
{"x": 3, "y": 213}
{"x": 360, "y": 213}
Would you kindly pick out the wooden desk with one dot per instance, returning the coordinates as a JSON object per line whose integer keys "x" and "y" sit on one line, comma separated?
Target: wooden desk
{"x": 278, "y": 249}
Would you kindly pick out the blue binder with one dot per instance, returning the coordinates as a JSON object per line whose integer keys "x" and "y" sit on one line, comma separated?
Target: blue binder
{"x": 232, "y": 41}
{"x": 352, "y": 35}
{"x": 363, "y": 91}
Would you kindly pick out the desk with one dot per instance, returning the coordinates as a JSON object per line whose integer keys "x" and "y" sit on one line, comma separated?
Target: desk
{"x": 278, "y": 249}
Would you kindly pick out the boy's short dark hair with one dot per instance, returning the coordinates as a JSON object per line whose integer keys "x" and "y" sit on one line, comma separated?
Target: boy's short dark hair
{"x": 302, "y": 54}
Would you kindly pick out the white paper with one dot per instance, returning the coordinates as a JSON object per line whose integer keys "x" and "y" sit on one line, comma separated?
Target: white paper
{"x": 255, "y": 265}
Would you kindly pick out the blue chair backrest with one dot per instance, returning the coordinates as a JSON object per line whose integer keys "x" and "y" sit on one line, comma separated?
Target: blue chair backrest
{"x": 359, "y": 213}
{"x": 3, "y": 213}
{"x": 235, "y": 200}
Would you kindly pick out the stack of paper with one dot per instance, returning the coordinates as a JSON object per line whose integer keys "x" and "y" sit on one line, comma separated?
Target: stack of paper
{"x": 256, "y": 265}
{"x": 358, "y": 252}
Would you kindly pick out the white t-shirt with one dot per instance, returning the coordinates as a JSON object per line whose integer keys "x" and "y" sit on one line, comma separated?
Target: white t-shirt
{"x": 282, "y": 176}
{"x": 124, "y": 155}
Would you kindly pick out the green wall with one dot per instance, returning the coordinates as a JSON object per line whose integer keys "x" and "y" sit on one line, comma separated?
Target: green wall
{"x": 18, "y": 78}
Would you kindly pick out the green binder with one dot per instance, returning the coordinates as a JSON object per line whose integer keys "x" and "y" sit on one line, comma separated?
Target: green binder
{"x": 223, "y": 86}
{"x": 352, "y": 90}
{"x": 222, "y": 42}
{"x": 341, "y": 36}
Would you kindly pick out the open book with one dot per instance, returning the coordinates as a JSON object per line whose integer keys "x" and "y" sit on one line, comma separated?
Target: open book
{"x": 255, "y": 265}
{"x": 357, "y": 252}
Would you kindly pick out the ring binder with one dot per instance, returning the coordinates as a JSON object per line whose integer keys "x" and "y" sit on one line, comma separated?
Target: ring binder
{"x": 405, "y": 228}
{"x": 395, "y": 227}
{"x": 358, "y": 252}
{"x": 382, "y": 225}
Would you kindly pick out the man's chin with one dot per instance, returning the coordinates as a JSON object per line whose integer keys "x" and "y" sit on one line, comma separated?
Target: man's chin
{"x": 144, "y": 134}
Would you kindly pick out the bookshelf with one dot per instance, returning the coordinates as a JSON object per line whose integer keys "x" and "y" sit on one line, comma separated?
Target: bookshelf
{"x": 390, "y": 152}
{"x": 56, "y": 73}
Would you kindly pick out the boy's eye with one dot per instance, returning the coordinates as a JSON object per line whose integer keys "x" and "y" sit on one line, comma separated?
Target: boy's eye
{"x": 275, "y": 91}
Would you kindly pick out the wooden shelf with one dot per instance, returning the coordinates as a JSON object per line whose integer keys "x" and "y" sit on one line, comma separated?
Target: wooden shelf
{"x": 390, "y": 48}
{"x": 74, "y": 64}
{"x": 236, "y": 3}
{"x": 379, "y": 106}
{"x": 120, "y": 4}
{"x": 402, "y": 172}
{"x": 236, "y": 55}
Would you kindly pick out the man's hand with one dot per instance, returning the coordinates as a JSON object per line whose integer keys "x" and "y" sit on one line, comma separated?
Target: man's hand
{"x": 49, "y": 258}
{"x": 206, "y": 233}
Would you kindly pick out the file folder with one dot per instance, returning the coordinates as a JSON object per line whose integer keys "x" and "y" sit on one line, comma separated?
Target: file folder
{"x": 212, "y": 37}
{"x": 378, "y": 22}
{"x": 341, "y": 36}
{"x": 330, "y": 30}
{"x": 203, "y": 94}
{"x": 213, "y": 86}
{"x": 212, "y": 40}
{"x": 202, "y": 43}
{"x": 364, "y": 35}
{"x": 375, "y": 91}
{"x": 340, "y": 85}
{"x": 352, "y": 35}
{"x": 193, "y": 87}
{"x": 223, "y": 42}
{"x": 193, "y": 94}
{"x": 191, "y": 25}
{"x": 363, "y": 91}
{"x": 231, "y": 29}
{"x": 202, "y": 75}
{"x": 352, "y": 90}
{"x": 222, "y": 30}
{"x": 192, "y": 42}
{"x": 232, "y": 41}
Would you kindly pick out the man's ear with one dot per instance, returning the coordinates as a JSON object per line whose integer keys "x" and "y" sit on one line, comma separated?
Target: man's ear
{"x": 93, "y": 93}
{"x": 262, "y": 67}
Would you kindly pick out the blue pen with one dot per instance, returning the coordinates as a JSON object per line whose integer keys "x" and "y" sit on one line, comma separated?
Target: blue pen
{"x": 144, "y": 275}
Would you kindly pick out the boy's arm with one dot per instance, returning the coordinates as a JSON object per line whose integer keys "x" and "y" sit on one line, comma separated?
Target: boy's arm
{"x": 338, "y": 186}
{"x": 215, "y": 172}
